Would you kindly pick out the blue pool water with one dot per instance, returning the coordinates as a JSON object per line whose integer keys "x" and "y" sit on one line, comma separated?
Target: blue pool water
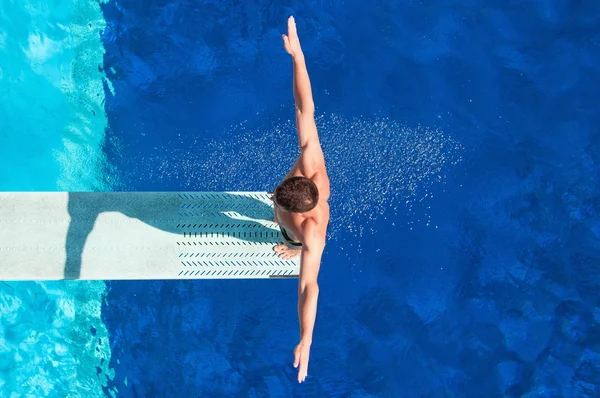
{"x": 462, "y": 141}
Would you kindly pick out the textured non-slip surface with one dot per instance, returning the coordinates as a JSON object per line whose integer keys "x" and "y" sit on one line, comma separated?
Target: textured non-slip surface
{"x": 139, "y": 235}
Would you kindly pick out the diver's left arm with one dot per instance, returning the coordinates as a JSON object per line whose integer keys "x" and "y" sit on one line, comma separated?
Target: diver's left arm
{"x": 308, "y": 294}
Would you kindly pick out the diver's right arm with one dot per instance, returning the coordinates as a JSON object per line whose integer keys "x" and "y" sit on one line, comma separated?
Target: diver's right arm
{"x": 308, "y": 138}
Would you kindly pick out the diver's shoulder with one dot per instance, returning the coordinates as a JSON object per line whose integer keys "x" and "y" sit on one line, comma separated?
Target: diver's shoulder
{"x": 315, "y": 229}
{"x": 321, "y": 180}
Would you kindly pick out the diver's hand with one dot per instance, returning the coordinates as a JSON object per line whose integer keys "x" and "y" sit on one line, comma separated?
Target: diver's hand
{"x": 301, "y": 356}
{"x": 291, "y": 42}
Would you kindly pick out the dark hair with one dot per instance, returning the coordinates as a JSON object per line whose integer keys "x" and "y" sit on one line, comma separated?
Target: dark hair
{"x": 297, "y": 194}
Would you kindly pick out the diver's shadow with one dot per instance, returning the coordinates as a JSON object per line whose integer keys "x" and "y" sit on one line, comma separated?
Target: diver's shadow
{"x": 148, "y": 207}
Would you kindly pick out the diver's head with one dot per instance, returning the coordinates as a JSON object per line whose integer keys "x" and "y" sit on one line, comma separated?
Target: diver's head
{"x": 296, "y": 195}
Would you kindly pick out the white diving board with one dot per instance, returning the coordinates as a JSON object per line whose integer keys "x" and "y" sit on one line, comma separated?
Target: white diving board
{"x": 139, "y": 235}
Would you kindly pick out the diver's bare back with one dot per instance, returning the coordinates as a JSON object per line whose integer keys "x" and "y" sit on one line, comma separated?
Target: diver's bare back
{"x": 295, "y": 222}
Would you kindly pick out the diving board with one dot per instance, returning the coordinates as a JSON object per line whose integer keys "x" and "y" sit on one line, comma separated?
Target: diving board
{"x": 139, "y": 235}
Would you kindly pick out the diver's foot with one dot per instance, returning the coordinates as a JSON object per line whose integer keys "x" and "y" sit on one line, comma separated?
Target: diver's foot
{"x": 285, "y": 252}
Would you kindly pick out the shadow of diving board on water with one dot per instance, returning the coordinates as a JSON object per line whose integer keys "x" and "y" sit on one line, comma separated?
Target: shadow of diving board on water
{"x": 139, "y": 235}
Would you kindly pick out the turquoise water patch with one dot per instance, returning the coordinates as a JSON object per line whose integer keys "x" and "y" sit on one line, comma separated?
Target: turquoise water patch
{"x": 52, "y": 340}
{"x": 52, "y": 127}
{"x": 52, "y": 119}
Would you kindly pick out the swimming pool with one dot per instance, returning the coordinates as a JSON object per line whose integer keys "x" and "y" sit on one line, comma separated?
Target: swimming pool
{"x": 462, "y": 143}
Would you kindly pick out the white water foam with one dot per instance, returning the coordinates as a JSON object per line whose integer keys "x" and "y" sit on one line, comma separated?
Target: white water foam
{"x": 375, "y": 165}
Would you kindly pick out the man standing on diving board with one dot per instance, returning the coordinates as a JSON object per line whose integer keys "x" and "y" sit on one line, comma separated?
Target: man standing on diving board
{"x": 300, "y": 203}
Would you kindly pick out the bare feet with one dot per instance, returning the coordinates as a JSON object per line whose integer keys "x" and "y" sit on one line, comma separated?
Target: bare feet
{"x": 285, "y": 252}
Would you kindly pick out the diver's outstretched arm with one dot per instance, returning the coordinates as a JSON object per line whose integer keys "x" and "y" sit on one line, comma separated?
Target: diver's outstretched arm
{"x": 305, "y": 107}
